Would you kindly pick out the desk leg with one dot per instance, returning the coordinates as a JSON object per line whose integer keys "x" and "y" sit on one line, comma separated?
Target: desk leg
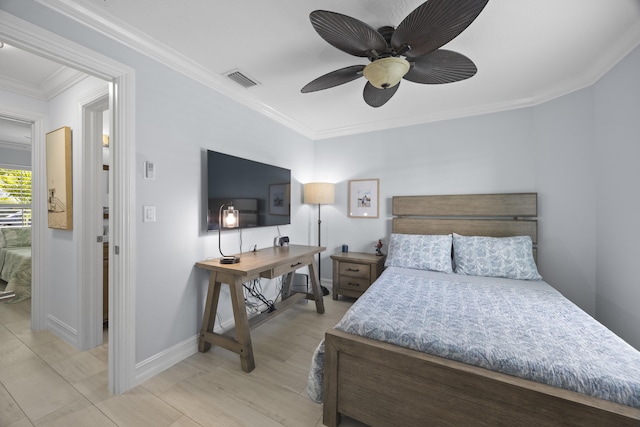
{"x": 210, "y": 310}
{"x": 243, "y": 335}
{"x": 315, "y": 287}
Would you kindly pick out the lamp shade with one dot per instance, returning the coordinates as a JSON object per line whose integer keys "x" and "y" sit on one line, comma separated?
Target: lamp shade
{"x": 227, "y": 218}
{"x": 386, "y": 72}
{"x": 320, "y": 193}
{"x": 230, "y": 217}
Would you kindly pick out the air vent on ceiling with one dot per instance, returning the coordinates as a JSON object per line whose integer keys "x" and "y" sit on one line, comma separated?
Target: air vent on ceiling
{"x": 241, "y": 78}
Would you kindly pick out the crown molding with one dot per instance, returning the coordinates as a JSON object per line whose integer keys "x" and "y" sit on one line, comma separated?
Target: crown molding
{"x": 60, "y": 81}
{"x": 54, "y": 85}
{"x": 95, "y": 18}
{"x": 21, "y": 88}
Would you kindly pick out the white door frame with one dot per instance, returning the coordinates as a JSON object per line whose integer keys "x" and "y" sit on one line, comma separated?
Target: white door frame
{"x": 27, "y": 36}
{"x": 90, "y": 256}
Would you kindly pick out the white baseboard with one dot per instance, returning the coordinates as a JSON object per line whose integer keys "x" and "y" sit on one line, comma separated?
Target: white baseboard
{"x": 62, "y": 330}
{"x": 158, "y": 363}
{"x": 164, "y": 360}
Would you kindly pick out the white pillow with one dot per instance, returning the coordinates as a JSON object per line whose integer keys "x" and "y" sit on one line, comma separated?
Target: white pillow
{"x": 509, "y": 257}
{"x": 422, "y": 252}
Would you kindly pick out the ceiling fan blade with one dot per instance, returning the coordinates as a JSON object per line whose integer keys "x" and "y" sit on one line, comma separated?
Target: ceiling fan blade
{"x": 378, "y": 97}
{"x": 441, "y": 66}
{"x": 434, "y": 24}
{"x": 334, "y": 78}
{"x": 347, "y": 34}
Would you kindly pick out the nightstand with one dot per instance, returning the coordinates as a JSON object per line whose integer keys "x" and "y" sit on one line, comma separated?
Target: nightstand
{"x": 354, "y": 272}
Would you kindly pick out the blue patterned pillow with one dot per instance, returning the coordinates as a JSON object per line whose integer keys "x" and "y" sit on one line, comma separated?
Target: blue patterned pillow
{"x": 422, "y": 252}
{"x": 509, "y": 257}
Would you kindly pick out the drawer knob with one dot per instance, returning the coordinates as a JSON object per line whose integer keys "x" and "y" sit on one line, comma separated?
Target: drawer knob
{"x": 353, "y": 269}
{"x": 354, "y": 284}
{"x": 298, "y": 263}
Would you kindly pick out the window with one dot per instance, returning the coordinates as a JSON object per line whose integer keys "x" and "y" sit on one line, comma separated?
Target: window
{"x": 15, "y": 197}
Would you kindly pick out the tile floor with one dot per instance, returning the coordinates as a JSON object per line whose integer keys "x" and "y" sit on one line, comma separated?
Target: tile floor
{"x": 46, "y": 382}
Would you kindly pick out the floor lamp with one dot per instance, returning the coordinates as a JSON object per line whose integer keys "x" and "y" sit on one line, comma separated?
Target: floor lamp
{"x": 319, "y": 193}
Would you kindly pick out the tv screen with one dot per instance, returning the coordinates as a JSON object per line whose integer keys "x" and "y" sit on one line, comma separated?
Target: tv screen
{"x": 260, "y": 192}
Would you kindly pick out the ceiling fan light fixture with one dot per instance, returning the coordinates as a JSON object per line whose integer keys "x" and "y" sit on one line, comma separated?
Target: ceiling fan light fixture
{"x": 386, "y": 72}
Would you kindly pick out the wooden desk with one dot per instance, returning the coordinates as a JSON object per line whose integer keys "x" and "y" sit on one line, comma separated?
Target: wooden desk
{"x": 268, "y": 263}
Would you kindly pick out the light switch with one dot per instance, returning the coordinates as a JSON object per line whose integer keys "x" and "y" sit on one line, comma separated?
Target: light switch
{"x": 148, "y": 214}
{"x": 149, "y": 170}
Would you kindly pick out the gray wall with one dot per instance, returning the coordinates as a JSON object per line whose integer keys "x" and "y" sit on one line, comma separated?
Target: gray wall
{"x": 617, "y": 119}
{"x": 576, "y": 152}
{"x": 535, "y": 149}
{"x": 176, "y": 121}
{"x": 563, "y": 140}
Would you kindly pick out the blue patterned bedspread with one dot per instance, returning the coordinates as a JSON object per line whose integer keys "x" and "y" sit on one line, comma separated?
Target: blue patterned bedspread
{"x": 521, "y": 328}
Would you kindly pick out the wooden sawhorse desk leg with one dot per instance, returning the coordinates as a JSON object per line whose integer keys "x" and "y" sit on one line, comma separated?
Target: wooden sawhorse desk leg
{"x": 315, "y": 286}
{"x": 210, "y": 309}
{"x": 316, "y": 291}
{"x": 243, "y": 335}
{"x": 242, "y": 343}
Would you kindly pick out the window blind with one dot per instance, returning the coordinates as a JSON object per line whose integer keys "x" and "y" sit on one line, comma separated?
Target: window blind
{"x": 15, "y": 197}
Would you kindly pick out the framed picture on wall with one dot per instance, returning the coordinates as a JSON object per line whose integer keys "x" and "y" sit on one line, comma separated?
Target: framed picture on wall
{"x": 364, "y": 201}
{"x": 279, "y": 200}
{"x": 59, "y": 185}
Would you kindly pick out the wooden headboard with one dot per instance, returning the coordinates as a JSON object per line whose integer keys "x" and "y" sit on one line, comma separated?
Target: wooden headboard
{"x": 494, "y": 215}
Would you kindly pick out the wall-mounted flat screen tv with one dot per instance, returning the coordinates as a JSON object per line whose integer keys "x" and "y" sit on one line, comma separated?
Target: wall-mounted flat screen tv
{"x": 260, "y": 192}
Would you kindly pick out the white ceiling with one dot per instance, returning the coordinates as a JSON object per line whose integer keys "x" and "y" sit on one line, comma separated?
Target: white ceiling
{"x": 29, "y": 75}
{"x": 526, "y": 52}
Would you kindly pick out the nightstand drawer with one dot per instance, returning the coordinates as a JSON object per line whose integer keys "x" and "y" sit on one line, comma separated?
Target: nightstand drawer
{"x": 354, "y": 283}
{"x": 354, "y": 270}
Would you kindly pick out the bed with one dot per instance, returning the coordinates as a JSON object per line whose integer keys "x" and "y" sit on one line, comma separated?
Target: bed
{"x": 15, "y": 262}
{"x": 545, "y": 363}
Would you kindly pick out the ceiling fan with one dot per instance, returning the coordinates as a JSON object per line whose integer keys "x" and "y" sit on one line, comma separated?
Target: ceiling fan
{"x": 410, "y": 51}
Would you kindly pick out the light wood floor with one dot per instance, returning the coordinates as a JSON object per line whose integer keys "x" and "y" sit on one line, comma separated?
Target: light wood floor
{"x": 46, "y": 382}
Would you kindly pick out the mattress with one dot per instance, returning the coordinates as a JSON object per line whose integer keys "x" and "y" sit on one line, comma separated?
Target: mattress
{"x": 517, "y": 327}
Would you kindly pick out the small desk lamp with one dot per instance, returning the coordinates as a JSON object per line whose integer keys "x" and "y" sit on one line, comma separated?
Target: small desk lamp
{"x": 229, "y": 218}
{"x": 320, "y": 193}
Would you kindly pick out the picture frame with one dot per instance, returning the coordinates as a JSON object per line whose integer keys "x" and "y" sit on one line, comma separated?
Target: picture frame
{"x": 364, "y": 201}
{"x": 279, "y": 199}
{"x": 59, "y": 179}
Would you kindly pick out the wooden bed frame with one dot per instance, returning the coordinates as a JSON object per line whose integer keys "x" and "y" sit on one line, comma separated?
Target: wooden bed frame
{"x": 383, "y": 384}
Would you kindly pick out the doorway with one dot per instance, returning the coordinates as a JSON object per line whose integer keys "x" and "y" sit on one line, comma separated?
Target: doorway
{"x": 15, "y": 204}
{"x": 39, "y": 41}
{"x": 38, "y": 197}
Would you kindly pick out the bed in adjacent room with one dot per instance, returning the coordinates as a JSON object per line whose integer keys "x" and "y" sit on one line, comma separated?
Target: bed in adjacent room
{"x": 15, "y": 262}
{"x": 479, "y": 338}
